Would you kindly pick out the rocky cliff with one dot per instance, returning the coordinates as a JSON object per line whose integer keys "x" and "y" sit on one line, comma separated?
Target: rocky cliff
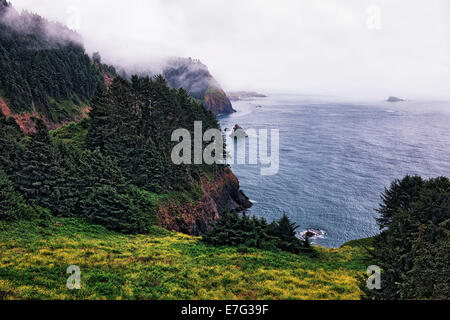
{"x": 217, "y": 101}
{"x": 195, "y": 77}
{"x": 189, "y": 74}
{"x": 221, "y": 194}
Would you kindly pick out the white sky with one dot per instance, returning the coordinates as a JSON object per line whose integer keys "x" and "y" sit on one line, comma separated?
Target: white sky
{"x": 337, "y": 47}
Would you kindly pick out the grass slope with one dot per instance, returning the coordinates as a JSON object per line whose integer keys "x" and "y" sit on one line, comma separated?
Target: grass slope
{"x": 34, "y": 256}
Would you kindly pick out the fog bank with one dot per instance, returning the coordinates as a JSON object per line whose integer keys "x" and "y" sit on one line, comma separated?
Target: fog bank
{"x": 358, "y": 48}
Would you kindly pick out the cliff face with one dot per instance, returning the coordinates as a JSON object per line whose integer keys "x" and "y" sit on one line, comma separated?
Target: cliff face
{"x": 218, "y": 102}
{"x": 219, "y": 195}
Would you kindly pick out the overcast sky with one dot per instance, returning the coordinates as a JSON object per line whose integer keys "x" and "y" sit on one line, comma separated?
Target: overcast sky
{"x": 345, "y": 47}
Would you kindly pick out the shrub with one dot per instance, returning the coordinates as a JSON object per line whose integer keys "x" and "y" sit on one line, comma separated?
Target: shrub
{"x": 128, "y": 211}
{"x": 243, "y": 231}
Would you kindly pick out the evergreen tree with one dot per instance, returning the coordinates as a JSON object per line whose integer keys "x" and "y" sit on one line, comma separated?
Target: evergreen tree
{"x": 100, "y": 120}
{"x": 285, "y": 232}
{"x": 400, "y": 195}
{"x": 37, "y": 173}
{"x": 10, "y": 144}
{"x": 127, "y": 211}
{"x": 105, "y": 177}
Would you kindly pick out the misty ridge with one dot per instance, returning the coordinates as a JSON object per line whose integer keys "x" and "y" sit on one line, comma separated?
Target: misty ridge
{"x": 48, "y": 33}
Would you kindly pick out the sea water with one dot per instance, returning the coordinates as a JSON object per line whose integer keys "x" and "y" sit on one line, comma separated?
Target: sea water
{"x": 336, "y": 157}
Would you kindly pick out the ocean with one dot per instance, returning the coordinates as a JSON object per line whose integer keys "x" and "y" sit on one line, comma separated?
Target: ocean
{"x": 336, "y": 157}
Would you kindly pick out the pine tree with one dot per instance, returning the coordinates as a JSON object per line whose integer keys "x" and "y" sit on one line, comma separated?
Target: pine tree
{"x": 10, "y": 144}
{"x": 37, "y": 68}
{"x": 285, "y": 231}
{"x": 37, "y": 174}
{"x": 100, "y": 120}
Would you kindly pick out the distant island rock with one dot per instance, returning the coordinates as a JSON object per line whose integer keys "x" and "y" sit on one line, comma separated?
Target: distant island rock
{"x": 238, "y": 132}
{"x": 244, "y": 95}
{"x": 394, "y": 99}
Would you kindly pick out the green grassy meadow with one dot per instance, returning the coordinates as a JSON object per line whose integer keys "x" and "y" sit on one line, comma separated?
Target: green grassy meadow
{"x": 34, "y": 256}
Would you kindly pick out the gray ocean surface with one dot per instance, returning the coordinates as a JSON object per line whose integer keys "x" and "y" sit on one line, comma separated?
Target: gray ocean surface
{"x": 337, "y": 155}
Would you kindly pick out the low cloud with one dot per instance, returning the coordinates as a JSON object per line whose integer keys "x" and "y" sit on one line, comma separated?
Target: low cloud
{"x": 31, "y": 23}
{"x": 372, "y": 48}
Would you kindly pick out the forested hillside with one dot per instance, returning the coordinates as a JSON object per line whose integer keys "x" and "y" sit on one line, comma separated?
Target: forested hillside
{"x": 116, "y": 172}
{"x": 118, "y": 157}
{"x": 43, "y": 67}
{"x": 45, "y": 72}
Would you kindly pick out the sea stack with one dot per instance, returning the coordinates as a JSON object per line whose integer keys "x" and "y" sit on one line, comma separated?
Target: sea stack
{"x": 238, "y": 132}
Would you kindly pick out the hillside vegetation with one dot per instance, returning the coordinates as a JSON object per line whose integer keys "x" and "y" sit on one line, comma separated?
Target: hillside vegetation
{"x": 162, "y": 265}
{"x": 112, "y": 168}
